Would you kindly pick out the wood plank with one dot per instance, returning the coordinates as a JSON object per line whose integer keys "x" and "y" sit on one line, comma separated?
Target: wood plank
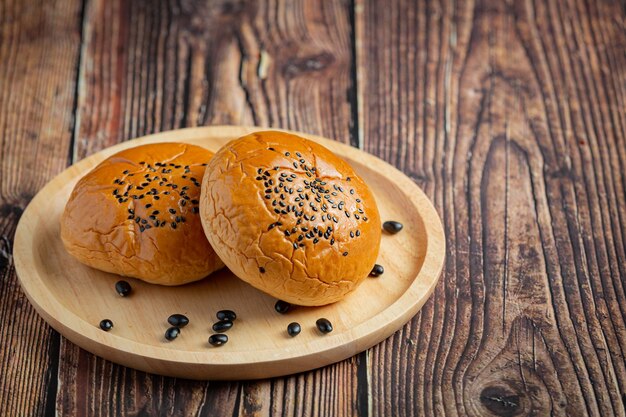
{"x": 153, "y": 66}
{"x": 510, "y": 116}
{"x": 39, "y": 50}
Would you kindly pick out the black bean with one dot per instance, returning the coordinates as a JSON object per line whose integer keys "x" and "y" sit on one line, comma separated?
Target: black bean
{"x": 282, "y": 306}
{"x": 392, "y": 226}
{"x": 324, "y": 325}
{"x": 106, "y": 325}
{"x": 178, "y": 320}
{"x": 294, "y": 329}
{"x": 222, "y": 326}
{"x": 377, "y": 270}
{"x": 123, "y": 288}
{"x": 218, "y": 339}
{"x": 226, "y": 315}
{"x": 172, "y": 333}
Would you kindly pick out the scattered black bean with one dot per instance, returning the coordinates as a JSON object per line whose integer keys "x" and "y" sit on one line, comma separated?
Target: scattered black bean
{"x": 392, "y": 226}
{"x": 178, "y": 320}
{"x": 218, "y": 339}
{"x": 282, "y": 306}
{"x": 123, "y": 288}
{"x": 222, "y": 326}
{"x": 294, "y": 329}
{"x": 106, "y": 325}
{"x": 172, "y": 333}
{"x": 226, "y": 315}
{"x": 324, "y": 325}
{"x": 377, "y": 270}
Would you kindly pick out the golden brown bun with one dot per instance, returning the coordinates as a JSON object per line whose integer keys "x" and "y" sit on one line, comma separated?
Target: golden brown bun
{"x": 257, "y": 203}
{"x": 136, "y": 214}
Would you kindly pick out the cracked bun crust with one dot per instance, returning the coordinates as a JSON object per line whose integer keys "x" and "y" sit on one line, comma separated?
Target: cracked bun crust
{"x": 289, "y": 217}
{"x": 136, "y": 214}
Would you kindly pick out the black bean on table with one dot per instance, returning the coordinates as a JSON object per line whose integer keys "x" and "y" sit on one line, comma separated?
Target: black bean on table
{"x": 282, "y": 306}
{"x": 106, "y": 325}
{"x": 172, "y": 333}
{"x": 294, "y": 329}
{"x": 377, "y": 271}
{"x": 218, "y": 339}
{"x": 226, "y": 315}
{"x": 123, "y": 288}
{"x": 324, "y": 325}
{"x": 392, "y": 226}
{"x": 178, "y": 320}
{"x": 222, "y": 326}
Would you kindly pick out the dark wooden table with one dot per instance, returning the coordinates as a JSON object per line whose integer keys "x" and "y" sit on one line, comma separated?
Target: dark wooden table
{"x": 509, "y": 114}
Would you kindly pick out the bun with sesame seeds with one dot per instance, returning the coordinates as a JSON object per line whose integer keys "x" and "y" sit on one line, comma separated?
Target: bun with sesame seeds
{"x": 290, "y": 217}
{"x": 136, "y": 214}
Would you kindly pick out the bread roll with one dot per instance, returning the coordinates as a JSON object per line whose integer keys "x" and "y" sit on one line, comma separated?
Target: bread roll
{"x": 136, "y": 214}
{"x": 289, "y": 217}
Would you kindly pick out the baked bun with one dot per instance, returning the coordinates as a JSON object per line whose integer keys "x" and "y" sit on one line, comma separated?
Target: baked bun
{"x": 289, "y": 217}
{"x": 136, "y": 214}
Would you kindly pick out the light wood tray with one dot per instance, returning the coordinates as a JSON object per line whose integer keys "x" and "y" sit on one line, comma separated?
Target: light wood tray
{"x": 73, "y": 298}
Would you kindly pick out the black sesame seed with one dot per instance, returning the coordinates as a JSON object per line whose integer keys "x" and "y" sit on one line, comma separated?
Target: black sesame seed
{"x": 106, "y": 325}
{"x": 218, "y": 339}
{"x": 222, "y": 326}
{"x": 173, "y": 224}
{"x": 194, "y": 210}
{"x": 294, "y": 329}
{"x": 295, "y": 245}
{"x": 178, "y": 320}
{"x": 282, "y": 307}
{"x": 226, "y": 315}
{"x": 261, "y": 270}
{"x": 172, "y": 333}
{"x": 345, "y": 254}
{"x": 351, "y": 234}
{"x": 377, "y": 270}
{"x": 358, "y": 233}
{"x": 392, "y": 226}
{"x": 123, "y": 288}
{"x": 141, "y": 229}
{"x": 324, "y": 325}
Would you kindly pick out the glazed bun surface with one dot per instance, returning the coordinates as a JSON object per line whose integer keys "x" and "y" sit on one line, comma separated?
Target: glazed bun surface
{"x": 289, "y": 217}
{"x": 136, "y": 214}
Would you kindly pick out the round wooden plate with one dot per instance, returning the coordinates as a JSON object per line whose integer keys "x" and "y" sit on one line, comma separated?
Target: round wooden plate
{"x": 73, "y": 298}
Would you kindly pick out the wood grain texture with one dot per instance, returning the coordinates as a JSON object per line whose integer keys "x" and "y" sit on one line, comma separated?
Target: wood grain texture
{"x": 152, "y": 66}
{"x": 39, "y": 44}
{"x": 510, "y": 115}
